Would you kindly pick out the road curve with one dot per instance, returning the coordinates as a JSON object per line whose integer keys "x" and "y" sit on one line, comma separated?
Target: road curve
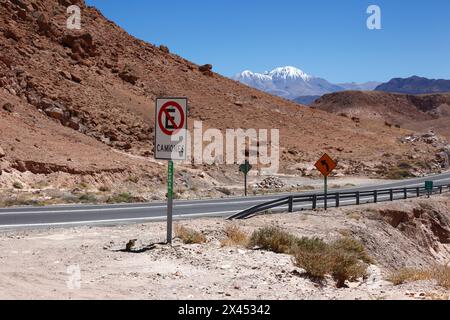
{"x": 85, "y": 215}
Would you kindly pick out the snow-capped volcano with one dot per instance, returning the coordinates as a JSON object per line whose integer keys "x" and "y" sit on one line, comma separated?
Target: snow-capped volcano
{"x": 291, "y": 73}
{"x": 290, "y": 83}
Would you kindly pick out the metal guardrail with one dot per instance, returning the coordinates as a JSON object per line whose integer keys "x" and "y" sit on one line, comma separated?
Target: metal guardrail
{"x": 339, "y": 198}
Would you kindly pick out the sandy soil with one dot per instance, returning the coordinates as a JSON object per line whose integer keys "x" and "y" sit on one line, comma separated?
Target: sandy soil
{"x": 43, "y": 264}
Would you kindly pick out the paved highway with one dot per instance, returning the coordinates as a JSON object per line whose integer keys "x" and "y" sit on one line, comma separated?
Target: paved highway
{"x": 82, "y": 215}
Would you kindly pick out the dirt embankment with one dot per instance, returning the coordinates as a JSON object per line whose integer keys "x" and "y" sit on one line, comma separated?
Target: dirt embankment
{"x": 91, "y": 262}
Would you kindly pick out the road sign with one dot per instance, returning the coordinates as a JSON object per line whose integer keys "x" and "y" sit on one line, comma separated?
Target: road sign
{"x": 326, "y": 165}
{"x": 170, "y": 180}
{"x": 171, "y": 128}
{"x": 170, "y": 143}
{"x": 245, "y": 169}
{"x": 429, "y": 186}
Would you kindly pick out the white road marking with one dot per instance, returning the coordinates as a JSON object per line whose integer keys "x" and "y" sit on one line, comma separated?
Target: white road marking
{"x": 131, "y": 208}
{"x": 56, "y": 224}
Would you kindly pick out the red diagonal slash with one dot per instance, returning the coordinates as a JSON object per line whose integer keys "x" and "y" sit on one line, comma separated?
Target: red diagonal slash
{"x": 172, "y": 120}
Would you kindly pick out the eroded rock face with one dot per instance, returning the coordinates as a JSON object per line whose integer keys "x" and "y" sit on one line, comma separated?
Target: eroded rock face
{"x": 426, "y": 225}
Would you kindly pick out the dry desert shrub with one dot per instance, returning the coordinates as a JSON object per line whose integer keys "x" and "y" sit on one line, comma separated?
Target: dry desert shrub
{"x": 189, "y": 236}
{"x": 442, "y": 275}
{"x": 272, "y": 239}
{"x": 405, "y": 275}
{"x": 344, "y": 259}
{"x": 354, "y": 247}
{"x": 439, "y": 273}
{"x": 345, "y": 266}
{"x": 124, "y": 197}
{"x": 235, "y": 237}
{"x": 314, "y": 256}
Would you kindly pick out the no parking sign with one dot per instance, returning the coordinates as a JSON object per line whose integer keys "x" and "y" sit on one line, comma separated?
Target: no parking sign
{"x": 170, "y": 143}
{"x": 171, "y": 128}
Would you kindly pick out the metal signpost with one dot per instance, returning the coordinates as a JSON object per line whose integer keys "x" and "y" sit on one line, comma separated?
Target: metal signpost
{"x": 170, "y": 143}
{"x": 245, "y": 169}
{"x": 326, "y": 165}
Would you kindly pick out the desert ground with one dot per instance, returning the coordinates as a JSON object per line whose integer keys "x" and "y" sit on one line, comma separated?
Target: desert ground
{"x": 92, "y": 263}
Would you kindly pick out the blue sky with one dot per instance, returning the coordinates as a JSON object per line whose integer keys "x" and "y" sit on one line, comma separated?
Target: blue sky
{"x": 326, "y": 38}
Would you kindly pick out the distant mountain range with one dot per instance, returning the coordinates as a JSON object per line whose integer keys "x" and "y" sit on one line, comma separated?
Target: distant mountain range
{"x": 415, "y": 85}
{"x": 294, "y": 84}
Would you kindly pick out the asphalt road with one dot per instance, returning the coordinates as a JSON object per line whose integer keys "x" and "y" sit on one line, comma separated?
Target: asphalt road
{"x": 82, "y": 215}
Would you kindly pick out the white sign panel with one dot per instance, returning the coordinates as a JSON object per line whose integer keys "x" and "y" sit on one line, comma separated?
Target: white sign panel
{"x": 171, "y": 128}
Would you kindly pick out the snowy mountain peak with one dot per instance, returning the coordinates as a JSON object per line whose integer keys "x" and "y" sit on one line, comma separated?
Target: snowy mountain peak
{"x": 290, "y": 83}
{"x": 289, "y": 73}
{"x": 248, "y": 76}
{"x": 246, "y": 73}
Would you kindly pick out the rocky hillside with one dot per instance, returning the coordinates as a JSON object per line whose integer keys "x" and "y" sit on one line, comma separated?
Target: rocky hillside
{"x": 415, "y": 112}
{"x": 82, "y": 103}
{"x": 415, "y": 85}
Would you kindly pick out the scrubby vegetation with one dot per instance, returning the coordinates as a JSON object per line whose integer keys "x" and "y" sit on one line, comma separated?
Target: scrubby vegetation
{"x": 344, "y": 259}
{"x": 189, "y": 236}
{"x": 441, "y": 274}
{"x": 272, "y": 239}
{"x": 235, "y": 237}
{"x": 87, "y": 198}
{"x": 124, "y": 197}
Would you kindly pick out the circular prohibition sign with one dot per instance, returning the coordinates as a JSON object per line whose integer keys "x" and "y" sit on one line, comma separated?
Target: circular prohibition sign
{"x": 176, "y": 127}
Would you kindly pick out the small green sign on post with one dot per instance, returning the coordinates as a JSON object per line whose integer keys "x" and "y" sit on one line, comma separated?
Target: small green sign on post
{"x": 245, "y": 169}
{"x": 170, "y": 180}
{"x": 429, "y": 186}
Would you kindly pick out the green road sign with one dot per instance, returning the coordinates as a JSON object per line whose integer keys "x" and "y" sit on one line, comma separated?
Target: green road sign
{"x": 245, "y": 168}
{"x": 170, "y": 180}
{"x": 429, "y": 186}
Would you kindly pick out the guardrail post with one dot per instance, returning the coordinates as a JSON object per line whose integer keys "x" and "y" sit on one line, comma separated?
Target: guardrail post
{"x": 405, "y": 193}
{"x": 375, "y": 196}
{"x": 440, "y": 189}
{"x": 358, "y": 198}
{"x": 338, "y": 196}
{"x": 314, "y": 202}
{"x": 418, "y": 192}
{"x": 391, "y": 195}
{"x": 291, "y": 204}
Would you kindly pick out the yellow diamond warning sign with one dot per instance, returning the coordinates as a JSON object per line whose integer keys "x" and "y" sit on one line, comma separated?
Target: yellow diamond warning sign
{"x": 326, "y": 165}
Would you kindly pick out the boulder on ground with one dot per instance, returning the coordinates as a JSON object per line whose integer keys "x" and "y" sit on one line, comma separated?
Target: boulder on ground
{"x": 129, "y": 75}
{"x": 8, "y": 107}
{"x": 206, "y": 69}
